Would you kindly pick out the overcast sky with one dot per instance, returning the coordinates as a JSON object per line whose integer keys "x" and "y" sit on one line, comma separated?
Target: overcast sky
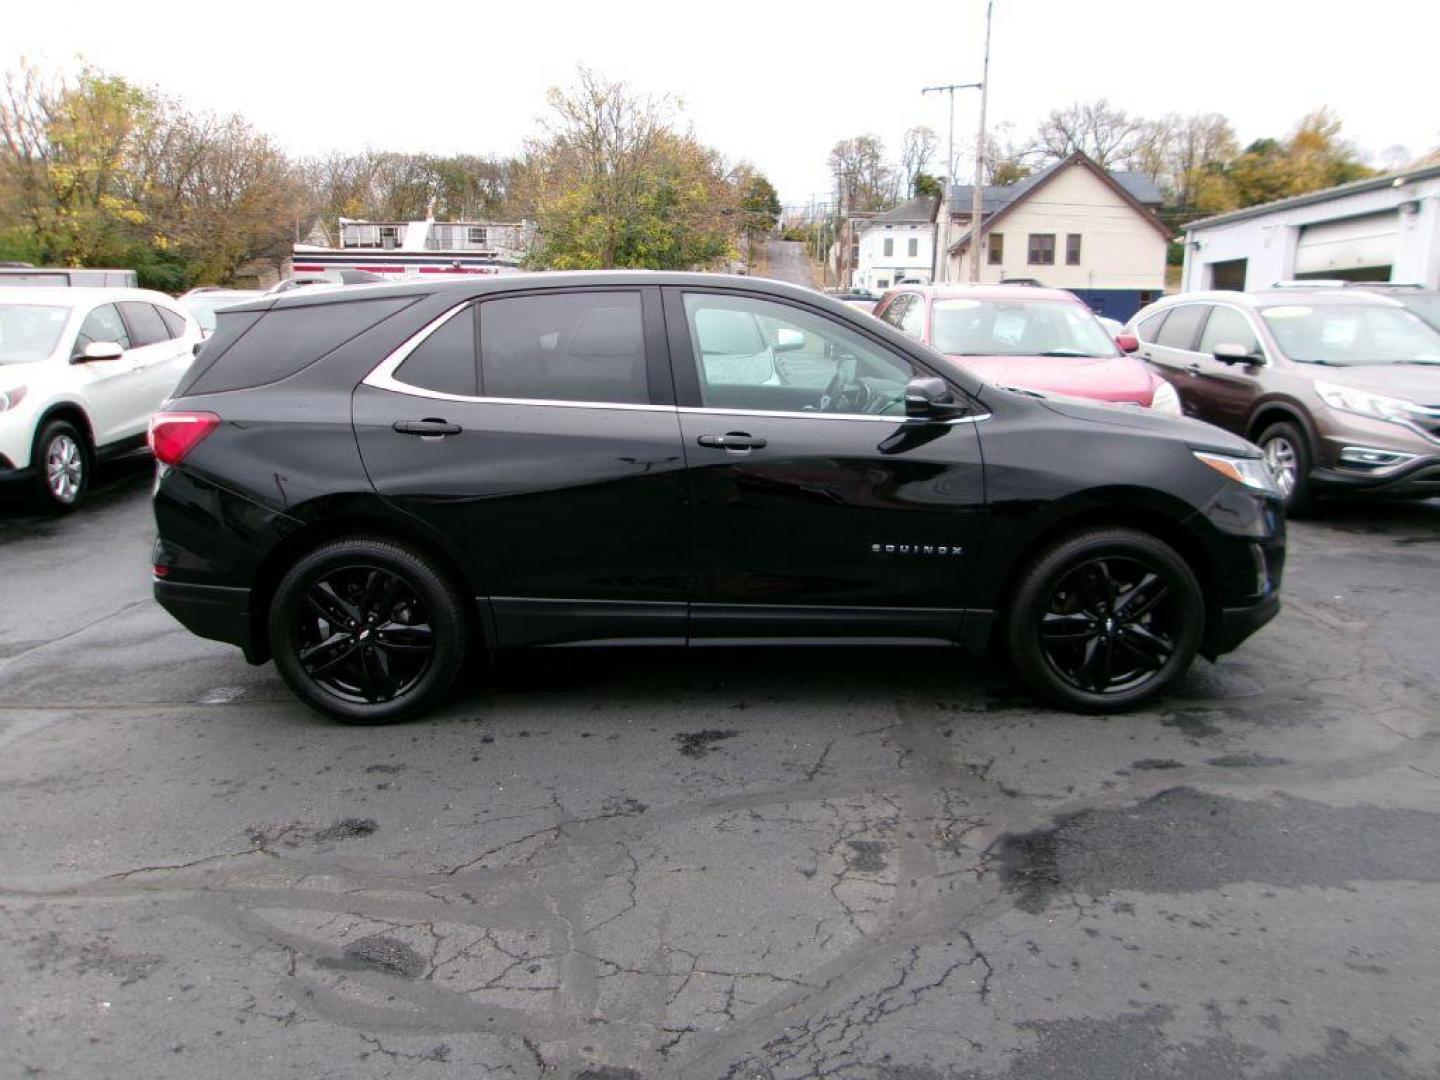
{"x": 777, "y": 83}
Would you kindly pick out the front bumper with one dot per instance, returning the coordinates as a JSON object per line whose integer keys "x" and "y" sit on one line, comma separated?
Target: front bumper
{"x": 1416, "y": 479}
{"x": 1238, "y": 623}
{"x": 217, "y": 612}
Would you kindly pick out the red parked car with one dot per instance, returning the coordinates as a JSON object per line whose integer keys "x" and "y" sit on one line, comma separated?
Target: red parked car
{"x": 1029, "y": 339}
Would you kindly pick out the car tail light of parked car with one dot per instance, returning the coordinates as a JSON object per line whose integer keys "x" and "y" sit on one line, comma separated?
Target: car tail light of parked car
{"x": 174, "y": 434}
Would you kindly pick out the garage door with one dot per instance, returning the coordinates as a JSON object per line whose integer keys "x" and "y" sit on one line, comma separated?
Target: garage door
{"x": 1362, "y": 248}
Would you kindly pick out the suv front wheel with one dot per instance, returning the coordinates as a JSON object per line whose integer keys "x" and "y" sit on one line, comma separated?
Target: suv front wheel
{"x": 1105, "y": 620}
{"x": 1288, "y": 454}
{"x": 62, "y": 465}
{"x": 367, "y": 630}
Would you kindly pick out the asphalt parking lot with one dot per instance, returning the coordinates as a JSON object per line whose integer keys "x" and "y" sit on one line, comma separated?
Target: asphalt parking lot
{"x": 856, "y": 864}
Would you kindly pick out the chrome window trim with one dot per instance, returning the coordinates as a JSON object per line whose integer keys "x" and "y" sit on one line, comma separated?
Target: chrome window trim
{"x": 780, "y": 415}
{"x": 382, "y": 377}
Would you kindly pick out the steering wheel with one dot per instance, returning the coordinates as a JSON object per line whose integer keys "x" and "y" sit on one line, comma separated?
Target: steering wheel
{"x": 844, "y": 376}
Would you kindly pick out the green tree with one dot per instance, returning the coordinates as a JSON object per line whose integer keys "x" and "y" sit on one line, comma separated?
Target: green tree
{"x": 925, "y": 185}
{"x": 612, "y": 184}
{"x": 759, "y": 202}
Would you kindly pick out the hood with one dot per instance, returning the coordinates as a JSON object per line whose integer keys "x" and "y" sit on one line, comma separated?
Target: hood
{"x": 1194, "y": 433}
{"x": 13, "y": 375}
{"x": 1419, "y": 383}
{"x": 1104, "y": 378}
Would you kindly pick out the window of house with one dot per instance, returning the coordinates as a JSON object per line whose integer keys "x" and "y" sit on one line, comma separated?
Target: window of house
{"x": 1072, "y": 249}
{"x": 389, "y": 236}
{"x": 889, "y": 246}
{"x": 913, "y": 247}
{"x": 997, "y": 249}
{"x": 580, "y": 346}
{"x": 1042, "y": 249}
{"x": 477, "y": 236}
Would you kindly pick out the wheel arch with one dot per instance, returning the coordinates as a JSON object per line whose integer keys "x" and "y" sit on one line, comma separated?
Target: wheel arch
{"x": 1279, "y": 410}
{"x": 1144, "y": 518}
{"x": 355, "y": 523}
{"x": 72, "y": 412}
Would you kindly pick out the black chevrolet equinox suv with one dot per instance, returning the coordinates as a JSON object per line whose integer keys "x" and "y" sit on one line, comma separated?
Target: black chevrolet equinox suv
{"x": 382, "y": 486}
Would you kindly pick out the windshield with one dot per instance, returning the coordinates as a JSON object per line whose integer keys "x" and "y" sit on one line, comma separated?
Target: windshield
{"x": 1018, "y": 328}
{"x": 1352, "y": 335}
{"x": 30, "y": 332}
{"x": 1427, "y": 307}
{"x": 204, "y": 307}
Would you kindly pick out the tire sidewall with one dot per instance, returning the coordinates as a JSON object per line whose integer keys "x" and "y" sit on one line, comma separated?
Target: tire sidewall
{"x": 1032, "y": 601}
{"x": 446, "y": 615}
{"x": 1299, "y": 498}
{"x": 40, "y": 456}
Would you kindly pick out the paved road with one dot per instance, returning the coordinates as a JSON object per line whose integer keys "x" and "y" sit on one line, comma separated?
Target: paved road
{"x": 786, "y": 261}
{"x": 778, "y": 865}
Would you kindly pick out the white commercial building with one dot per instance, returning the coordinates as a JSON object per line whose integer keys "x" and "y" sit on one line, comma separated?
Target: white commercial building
{"x": 1383, "y": 229}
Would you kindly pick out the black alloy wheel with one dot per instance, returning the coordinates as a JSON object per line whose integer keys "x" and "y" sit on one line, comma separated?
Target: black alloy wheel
{"x": 1106, "y": 620}
{"x": 367, "y": 630}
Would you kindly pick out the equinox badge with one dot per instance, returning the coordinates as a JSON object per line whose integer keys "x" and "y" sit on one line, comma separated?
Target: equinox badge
{"x": 917, "y": 549}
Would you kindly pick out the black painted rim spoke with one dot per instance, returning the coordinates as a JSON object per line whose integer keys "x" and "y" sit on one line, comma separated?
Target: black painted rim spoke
{"x": 1110, "y": 624}
{"x": 363, "y": 634}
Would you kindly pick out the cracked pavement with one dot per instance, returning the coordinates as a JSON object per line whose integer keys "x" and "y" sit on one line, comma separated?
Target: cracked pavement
{"x": 765, "y": 865}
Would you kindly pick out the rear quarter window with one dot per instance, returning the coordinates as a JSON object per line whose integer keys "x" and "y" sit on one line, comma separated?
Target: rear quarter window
{"x": 251, "y": 348}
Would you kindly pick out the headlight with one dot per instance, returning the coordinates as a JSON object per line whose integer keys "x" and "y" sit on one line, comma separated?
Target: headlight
{"x": 1349, "y": 399}
{"x": 1166, "y": 400}
{"x": 12, "y": 397}
{"x": 1252, "y": 472}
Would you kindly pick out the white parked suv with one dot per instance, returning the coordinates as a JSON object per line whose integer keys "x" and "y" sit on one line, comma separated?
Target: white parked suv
{"x": 81, "y": 370}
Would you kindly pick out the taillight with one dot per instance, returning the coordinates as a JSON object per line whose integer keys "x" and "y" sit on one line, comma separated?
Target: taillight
{"x": 174, "y": 434}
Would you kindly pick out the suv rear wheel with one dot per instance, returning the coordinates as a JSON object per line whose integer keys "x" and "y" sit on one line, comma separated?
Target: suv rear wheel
{"x": 1288, "y": 454}
{"x": 61, "y": 457}
{"x": 367, "y": 630}
{"x": 1105, "y": 620}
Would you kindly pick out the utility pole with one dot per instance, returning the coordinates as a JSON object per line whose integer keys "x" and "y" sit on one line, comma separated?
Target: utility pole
{"x": 976, "y": 204}
{"x": 940, "y": 270}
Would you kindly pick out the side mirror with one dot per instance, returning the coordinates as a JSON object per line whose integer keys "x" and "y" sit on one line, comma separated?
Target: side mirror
{"x": 1228, "y": 352}
{"x": 928, "y": 398}
{"x": 98, "y": 350}
{"x": 1128, "y": 343}
{"x": 787, "y": 340}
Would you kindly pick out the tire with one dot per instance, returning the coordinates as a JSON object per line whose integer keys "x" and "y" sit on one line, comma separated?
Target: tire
{"x": 1287, "y": 452}
{"x": 62, "y": 460}
{"x": 367, "y": 631}
{"x": 1084, "y": 641}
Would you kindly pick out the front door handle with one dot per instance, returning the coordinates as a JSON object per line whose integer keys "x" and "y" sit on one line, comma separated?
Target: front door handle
{"x": 429, "y": 426}
{"x": 732, "y": 440}
{"x": 1193, "y": 369}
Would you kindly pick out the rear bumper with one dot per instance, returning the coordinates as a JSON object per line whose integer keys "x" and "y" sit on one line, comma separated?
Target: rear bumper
{"x": 217, "y": 612}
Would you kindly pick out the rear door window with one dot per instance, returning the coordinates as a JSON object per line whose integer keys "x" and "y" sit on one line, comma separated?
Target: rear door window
{"x": 146, "y": 326}
{"x": 578, "y": 346}
{"x": 913, "y": 321}
{"x": 1182, "y": 327}
{"x": 1148, "y": 328}
{"x": 174, "y": 323}
{"x": 445, "y": 361}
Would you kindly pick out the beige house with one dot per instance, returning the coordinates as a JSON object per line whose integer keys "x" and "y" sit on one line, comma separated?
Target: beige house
{"x": 1073, "y": 225}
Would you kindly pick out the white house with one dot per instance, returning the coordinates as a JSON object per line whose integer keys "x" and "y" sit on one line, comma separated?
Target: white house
{"x": 401, "y": 249}
{"x": 1072, "y": 225}
{"x": 898, "y": 245}
{"x": 1386, "y": 228}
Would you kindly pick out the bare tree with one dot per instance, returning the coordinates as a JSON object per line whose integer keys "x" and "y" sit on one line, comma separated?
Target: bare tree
{"x": 863, "y": 179}
{"x": 917, "y": 148}
{"x": 1105, "y": 133}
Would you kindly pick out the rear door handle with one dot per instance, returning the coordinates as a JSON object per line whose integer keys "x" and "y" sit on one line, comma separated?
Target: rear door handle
{"x": 1193, "y": 369}
{"x": 732, "y": 440}
{"x": 428, "y": 426}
